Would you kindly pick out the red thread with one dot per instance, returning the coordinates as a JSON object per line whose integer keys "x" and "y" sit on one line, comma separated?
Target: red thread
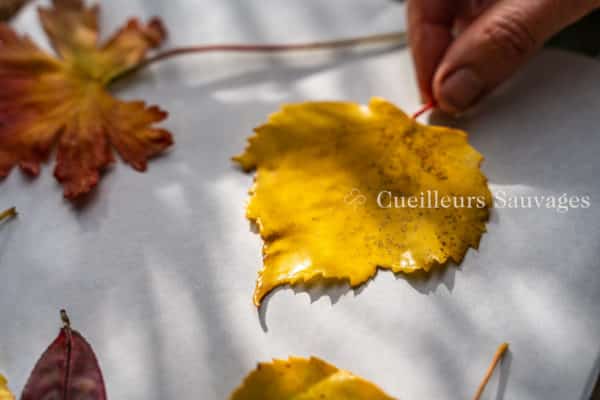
{"x": 426, "y": 107}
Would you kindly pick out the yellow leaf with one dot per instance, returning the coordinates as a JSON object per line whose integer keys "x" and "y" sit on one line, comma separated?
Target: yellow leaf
{"x": 335, "y": 192}
{"x": 5, "y": 394}
{"x": 305, "y": 379}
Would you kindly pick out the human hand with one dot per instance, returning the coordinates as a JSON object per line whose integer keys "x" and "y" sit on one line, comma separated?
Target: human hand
{"x": 463, "y": 49}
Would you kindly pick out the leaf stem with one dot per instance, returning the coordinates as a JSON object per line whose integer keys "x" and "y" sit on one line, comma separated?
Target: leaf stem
{"x": 68, "y": 351}
{"x": 11, "y": 212}
{"x": 394, "y": 37}
{"x": 497, "y": 357}
{"x": 64, "y": 317}
{"x": 426, "y": 107}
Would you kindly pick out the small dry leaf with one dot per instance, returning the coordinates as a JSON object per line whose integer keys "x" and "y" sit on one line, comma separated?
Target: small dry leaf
{"x": 329, "y": 178}
{"x": 305, "y": 379}
{"x": 5, "y": 393}
{"x": 47, "y": 101}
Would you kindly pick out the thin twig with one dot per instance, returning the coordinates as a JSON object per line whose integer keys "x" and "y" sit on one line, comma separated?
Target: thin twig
{"x": 497, "y": 357}
{"x": 11, "y": 212}
{"x": 395, "y": 37}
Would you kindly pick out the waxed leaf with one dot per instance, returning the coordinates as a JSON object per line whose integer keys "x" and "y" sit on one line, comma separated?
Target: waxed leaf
{"x": 305, "y": 379}
{"x": 322, "y": 169}
{"x": 68, "y": 370}
{"x": 47, "y": 101}
{"x": 5, "y": 393}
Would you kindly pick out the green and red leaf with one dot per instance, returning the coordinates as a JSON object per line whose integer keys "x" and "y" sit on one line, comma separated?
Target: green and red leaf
{"x": 63, "y": 102}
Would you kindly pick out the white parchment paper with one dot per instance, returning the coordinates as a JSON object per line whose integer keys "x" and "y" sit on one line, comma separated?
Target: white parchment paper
{"x": 157, "y": 269}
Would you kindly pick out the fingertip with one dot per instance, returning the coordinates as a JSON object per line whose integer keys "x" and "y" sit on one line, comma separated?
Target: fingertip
{"x": 430, "y": 34}
{"x": 429, "y": 43}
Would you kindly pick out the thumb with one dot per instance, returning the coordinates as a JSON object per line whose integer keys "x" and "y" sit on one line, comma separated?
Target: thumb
{"x": 496, "y": 44}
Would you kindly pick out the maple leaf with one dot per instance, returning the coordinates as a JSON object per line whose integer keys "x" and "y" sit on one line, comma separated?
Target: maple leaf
{"x": 305, "y": 379}
{"x": 5, "y": 393}
{"x": 322, "y": 169}
{"x": 47, "y": 100}
{"x": 68, "y": 369}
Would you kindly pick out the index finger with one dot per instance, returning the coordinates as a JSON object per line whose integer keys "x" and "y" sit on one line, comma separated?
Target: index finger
{"x": 430, "y": 24}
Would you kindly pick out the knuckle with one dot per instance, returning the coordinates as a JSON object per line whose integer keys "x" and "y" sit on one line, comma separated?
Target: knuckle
{"x": 511, "y": 36}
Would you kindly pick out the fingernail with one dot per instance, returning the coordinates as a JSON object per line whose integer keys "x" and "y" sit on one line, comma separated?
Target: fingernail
{"x": 462, "y": 89}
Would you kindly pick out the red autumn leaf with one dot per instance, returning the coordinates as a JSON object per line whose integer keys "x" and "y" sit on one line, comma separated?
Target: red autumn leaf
{"x": 64, "y": 101}
{"x": 68, "y": 370}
